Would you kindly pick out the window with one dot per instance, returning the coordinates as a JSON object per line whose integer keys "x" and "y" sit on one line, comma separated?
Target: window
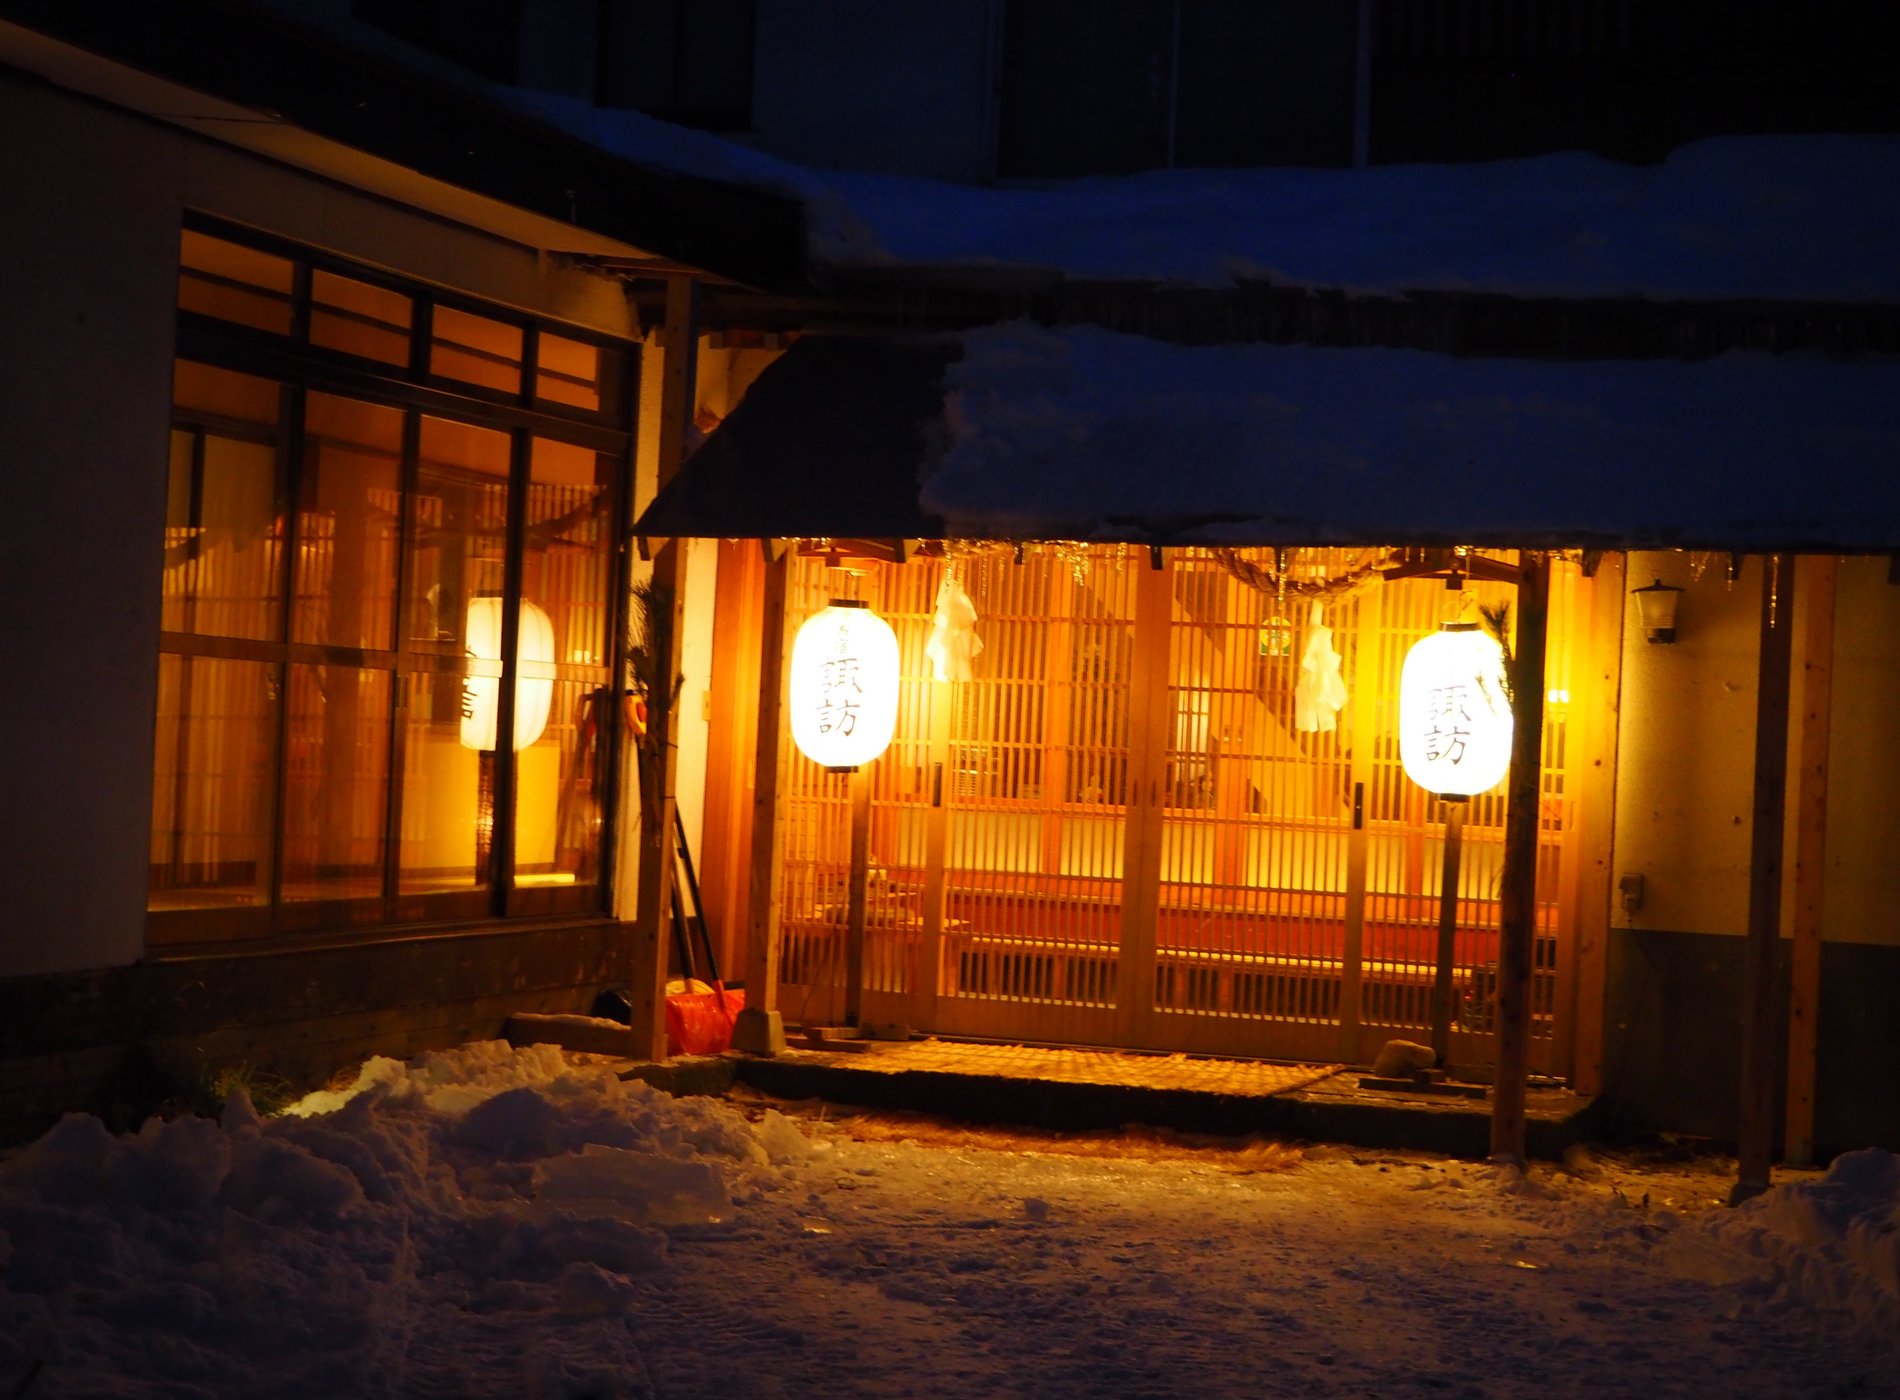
{"x": 686, "y": 61}
{"x": 1110, "y": 87}
{"x": 372, "y": 573}
{"x": 484, "y": 35}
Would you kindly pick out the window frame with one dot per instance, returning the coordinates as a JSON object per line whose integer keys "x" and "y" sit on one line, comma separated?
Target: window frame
{"x": 301, "y": 368}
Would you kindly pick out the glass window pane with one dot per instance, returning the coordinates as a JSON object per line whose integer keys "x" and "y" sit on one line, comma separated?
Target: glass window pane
{"x": 568, "y": 372}
{"x": 559, "y": 779}
{"x": 221, "y": 537}
{"x": 565, "y": 654}
{"x": 359, "y": 318}
{"x": 348, "y": 514}
{"x": 570, "y": 547}
{"x": 448, "y": 789}
{"x": 476, "y": 350}
{"x": 221, "y": 279}
{"x": 461, "y": 532}
{"x": 222, "y": 393}
{"x": 211, "y": 801}
{"x": 338, "y": 756}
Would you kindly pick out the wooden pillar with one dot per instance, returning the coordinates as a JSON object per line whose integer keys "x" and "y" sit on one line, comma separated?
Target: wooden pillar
{"x": 1596, "y": 702}
{"x": 1517, "y": 896}
{"x": 1810, "y": 852}
{"x": 760, "y": 1030}
{"x": 1447, "y": 928}
{"x": 1757, "y": 1132}
{"x": 660, "y": 767}
{"x": 857, "y": 895}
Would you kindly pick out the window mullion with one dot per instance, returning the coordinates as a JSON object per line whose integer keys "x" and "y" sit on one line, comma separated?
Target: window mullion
{"x": 289, "y": 458}
{"x": 405, "y": 627}
{"x": 502, "y": 841}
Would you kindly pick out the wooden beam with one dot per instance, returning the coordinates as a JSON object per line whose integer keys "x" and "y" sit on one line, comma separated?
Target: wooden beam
{"x": 660, "y": 760}
{"x": 857, "y": 895}
{"x": 1810, "y": 851}
{"x": 1757, "y": 1133}
{"x": 1597, "y": 699}
{"x": 1517, "y": 895}
{"x": 760, "y": 1030}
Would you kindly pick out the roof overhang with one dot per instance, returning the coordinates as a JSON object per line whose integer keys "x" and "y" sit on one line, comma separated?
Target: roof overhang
{"x": 252, "y": 82}
{"x": 1014, "y": 432}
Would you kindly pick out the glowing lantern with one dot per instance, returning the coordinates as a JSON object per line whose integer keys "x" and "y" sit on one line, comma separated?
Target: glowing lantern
{"x": 843, "y": 686}
{"x": 1454, "y": 717}
{"x": 534, "y": 674}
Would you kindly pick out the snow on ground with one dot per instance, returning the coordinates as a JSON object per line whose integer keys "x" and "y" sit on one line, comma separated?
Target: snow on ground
{"x": 497, "y": 1223}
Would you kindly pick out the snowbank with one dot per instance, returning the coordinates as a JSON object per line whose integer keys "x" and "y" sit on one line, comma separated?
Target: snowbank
{"x": 483, "y": 1195}
{"x": 1832, "y": 1243}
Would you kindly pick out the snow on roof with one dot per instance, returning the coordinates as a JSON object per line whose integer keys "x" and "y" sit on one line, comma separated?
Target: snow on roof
{"x": 1808, "y": 217}
{"x": 1085, "y": 433}
{"x": 1801, "y": 217}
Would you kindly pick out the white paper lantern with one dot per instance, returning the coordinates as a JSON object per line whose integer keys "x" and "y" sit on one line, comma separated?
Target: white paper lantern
{"x": 534, "y": 674}
{"x": 843, "y": 686}
{"x": 1454, "y": 717}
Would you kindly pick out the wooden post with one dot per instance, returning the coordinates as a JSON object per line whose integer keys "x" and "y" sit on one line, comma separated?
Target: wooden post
{"x": 1517, "y": 895}
{"x": 857, "y": 894}
{"x": 1757, "y": 1131}
{"x": 1364, "y": 724}
{"x": 1810, "y": 852}
{"x": 659, "y": 773}
{"x": 1597, "y": 699}
{"x": 1447, "y": 929}
{"x": 760, "y": 1030}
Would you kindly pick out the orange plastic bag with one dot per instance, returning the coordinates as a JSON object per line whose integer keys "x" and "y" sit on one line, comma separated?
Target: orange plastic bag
{"x": 700, "y": 1023}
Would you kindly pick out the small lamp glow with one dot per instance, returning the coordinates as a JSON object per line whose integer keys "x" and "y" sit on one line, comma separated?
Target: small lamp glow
{"x": 843, "y": 684}
{"x": 534, "y": 674}
{"x": 1656, "y": 604}
{"x": 1454, "y": 717}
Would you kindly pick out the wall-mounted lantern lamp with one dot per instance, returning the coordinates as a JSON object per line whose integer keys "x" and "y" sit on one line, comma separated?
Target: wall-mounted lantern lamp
{"x": 1656, "y": 604}
{"x": 843, "y": 684}
{"x": 1454, "y": 717}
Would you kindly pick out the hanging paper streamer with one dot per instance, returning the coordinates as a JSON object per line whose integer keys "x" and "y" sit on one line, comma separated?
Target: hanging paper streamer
{"x": 1320, "y": 693}
{"x": 953, "y": 643}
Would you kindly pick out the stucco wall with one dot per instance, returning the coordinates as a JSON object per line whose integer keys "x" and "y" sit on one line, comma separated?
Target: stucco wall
{"x": 88, "y": 254}
{"x": 88, "y": 277}
{"x": 1684, "y": 796}
{"x": 868, "y": 85}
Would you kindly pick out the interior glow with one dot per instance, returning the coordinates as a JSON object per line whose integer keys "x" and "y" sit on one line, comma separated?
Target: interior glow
{"x": 843, "y": 686}
{"x": 1454, "y": 719}
{"x": 534, "y": 674}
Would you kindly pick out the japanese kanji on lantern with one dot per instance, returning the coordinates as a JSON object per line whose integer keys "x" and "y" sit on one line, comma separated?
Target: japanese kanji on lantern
{"x": 843, "y": 685}
{"x": 1454, "y": 712}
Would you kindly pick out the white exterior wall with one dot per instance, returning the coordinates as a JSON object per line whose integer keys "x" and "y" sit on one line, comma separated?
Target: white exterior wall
{"x": 1685, "y": 753}
{"x": 869, "y": 85}
{"x": 88, "y": 283}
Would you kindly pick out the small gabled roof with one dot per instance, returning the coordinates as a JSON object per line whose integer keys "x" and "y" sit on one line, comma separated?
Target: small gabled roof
{"x": 1018, "y": 432}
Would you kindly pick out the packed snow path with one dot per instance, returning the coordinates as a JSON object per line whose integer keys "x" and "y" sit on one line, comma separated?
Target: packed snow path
{"x": 500, "y": 1223}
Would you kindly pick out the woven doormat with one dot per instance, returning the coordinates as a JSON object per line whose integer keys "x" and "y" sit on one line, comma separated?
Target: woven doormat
{"x": 1107, "y": 1067}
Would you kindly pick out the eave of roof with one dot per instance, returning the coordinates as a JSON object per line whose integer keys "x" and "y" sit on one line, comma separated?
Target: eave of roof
{"x": 262, "y": 68}
{"x": 1021, "y": 433}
